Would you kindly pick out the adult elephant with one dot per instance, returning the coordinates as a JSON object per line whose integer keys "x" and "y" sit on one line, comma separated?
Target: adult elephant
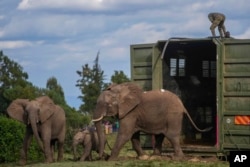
{"x": 45, "y": 120}
{"x": 158, "y": 112}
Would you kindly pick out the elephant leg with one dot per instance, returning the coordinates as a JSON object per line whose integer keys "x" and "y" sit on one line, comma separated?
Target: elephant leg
{"x": 173, "y": 133}
{"x": 174, "y": 138}
{"x": 175, "y": 141}
{"x": 136, "y": 144}
{"x": 90, "y": 156}
{"x": 87, "y": 151}
{"x": 52, "y": 148}
{"x": 46, "y": 139}
{"x": 158, "y": 144}
{"x": 26, "y": 144}
{"x": 84, "y": 156}
{"x": 123, "y": 136}
{"x": 60, "y": 150}
{"x": 47, "y": 151}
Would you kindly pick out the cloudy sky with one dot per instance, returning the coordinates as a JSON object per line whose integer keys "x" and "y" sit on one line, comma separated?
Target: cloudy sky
{"x": 56, "y": 37}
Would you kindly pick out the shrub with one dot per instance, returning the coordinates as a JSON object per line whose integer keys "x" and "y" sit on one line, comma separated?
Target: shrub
{"x": 11, "y": 141}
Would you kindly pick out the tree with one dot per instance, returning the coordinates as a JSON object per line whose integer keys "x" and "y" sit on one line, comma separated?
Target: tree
{"x": 119, "y": 77}
{"x": 13, "y": 82}
{"x": 91, "y": 84}
{"x": 55, "y": 91}
{"x": 11, "y": 73}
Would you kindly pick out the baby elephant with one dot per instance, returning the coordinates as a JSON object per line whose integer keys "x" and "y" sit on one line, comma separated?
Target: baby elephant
{"x": 89, "y": 140}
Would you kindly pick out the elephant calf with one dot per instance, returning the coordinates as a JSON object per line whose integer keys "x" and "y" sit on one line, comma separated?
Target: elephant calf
{"x": 89, "y": 140}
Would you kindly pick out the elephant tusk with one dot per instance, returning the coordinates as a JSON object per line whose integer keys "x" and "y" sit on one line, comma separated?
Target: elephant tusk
{"x": 98, "y": 119}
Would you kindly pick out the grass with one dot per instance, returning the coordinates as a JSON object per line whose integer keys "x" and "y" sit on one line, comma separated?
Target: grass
{"x": 127, "y": 158}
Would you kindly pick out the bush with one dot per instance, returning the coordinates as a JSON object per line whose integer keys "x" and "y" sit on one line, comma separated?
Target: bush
{"x": 11, "y": 141}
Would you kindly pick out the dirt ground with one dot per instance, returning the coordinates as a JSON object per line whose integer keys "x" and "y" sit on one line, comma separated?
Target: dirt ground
{"x": 188, "y": 158}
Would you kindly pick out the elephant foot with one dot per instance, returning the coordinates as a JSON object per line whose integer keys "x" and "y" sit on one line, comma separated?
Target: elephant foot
{"x": 143, "y": 157}
{"x": 59, "y": 159}
{"x": 22, "y": 162}
{"x": 155, "y": 157}
{"x": 112, "y": 158}
{"x": 82, "y": 158}
{"x": 157, "y": 153}
{"x": 105, "y": 156}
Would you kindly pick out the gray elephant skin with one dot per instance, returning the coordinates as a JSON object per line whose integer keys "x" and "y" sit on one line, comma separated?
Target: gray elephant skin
{"x": 45, "y": 120}
{"x": 89, "y": 140}
{"x": 157, "y": 112}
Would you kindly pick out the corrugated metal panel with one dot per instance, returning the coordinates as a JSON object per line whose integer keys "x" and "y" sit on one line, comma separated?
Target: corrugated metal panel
{"x": 235, "y": 90}
{"x": 141, "y": 65}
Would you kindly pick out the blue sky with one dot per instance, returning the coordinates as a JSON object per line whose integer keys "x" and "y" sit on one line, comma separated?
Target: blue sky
{"x": 56, "y": 37}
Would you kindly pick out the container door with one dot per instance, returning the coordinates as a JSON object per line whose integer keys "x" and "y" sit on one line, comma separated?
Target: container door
{"x": 233, "y": 93}
{"x": 189, "y": 70}
{"x": 141, "y": 65}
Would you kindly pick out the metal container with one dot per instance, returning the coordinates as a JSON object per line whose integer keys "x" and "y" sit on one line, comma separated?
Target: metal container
{"x": 212, "y": 77}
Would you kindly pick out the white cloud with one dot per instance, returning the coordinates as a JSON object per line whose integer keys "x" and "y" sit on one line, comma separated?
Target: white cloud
{"x": 74, "y": 4}
{"x": 57, "y": 37}
{"x": 245, "y": 35}
{"x": 14, "y": 44}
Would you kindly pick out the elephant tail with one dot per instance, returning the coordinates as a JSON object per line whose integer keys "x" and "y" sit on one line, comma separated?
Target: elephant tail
{"x": 198, "y": 129}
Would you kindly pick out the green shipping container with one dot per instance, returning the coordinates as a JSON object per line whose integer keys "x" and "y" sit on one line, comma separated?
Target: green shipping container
{"x": 212, "y": 77}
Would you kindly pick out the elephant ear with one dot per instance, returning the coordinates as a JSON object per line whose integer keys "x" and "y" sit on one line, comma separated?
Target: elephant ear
{"x": 129, "y": 98}
{"x": 16, "y": 110}
{"x": 47, "y": 108}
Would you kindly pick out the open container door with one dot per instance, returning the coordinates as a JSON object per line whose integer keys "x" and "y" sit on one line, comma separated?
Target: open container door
{"x": 189, "y": 70}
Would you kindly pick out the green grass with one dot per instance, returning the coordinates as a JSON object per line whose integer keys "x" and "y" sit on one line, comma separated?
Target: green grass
{"x": 127, "y": 163}
{"x": 127, "y": 158}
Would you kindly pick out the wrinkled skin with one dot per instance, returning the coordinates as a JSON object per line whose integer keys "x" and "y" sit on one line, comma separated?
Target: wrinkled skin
{"x": 45, "y": 120}
{"x": 89, "y": 140}
{"x": 155, "y": 112}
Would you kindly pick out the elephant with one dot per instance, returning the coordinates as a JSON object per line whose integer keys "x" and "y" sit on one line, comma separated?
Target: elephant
{"x": 89, "y": 140}
{"x": 156, "y": 112}
{"x": 45, "y": 120}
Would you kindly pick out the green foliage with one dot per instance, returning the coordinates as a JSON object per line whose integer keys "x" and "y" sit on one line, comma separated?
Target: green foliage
{"x": 11, "y": 73}
{"x": 91, "y": 84}
{"x": 12, "y": 134}
{"x": 55, "y": 91}
{"x": 74, "y": 120}
{"x": 26, "y": 92}
{"x": 12, "y": 80}
{"x": 119, "y": 77}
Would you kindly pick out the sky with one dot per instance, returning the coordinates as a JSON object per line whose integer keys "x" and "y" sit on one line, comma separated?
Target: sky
{"x": 55, "y": 38}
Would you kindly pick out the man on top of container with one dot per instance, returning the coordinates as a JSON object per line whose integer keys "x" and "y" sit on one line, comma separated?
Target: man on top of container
{"x": 217, "y": 19}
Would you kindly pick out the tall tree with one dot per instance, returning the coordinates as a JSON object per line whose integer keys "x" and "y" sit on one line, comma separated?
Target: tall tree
{"x": 11, "y": 73}
{"x": 91, "y": 83}
{"x": 13, "y": 82}
{"x": 55, "y": 91}
{"x": 119, "y": 77}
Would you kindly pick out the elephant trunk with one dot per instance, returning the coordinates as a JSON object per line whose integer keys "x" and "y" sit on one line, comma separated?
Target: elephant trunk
{"x": 100, "y": 134}
{"x": 35, "y": 132}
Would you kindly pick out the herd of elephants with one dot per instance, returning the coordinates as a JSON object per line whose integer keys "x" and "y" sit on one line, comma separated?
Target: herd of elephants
{"x": 156, "y": 112}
